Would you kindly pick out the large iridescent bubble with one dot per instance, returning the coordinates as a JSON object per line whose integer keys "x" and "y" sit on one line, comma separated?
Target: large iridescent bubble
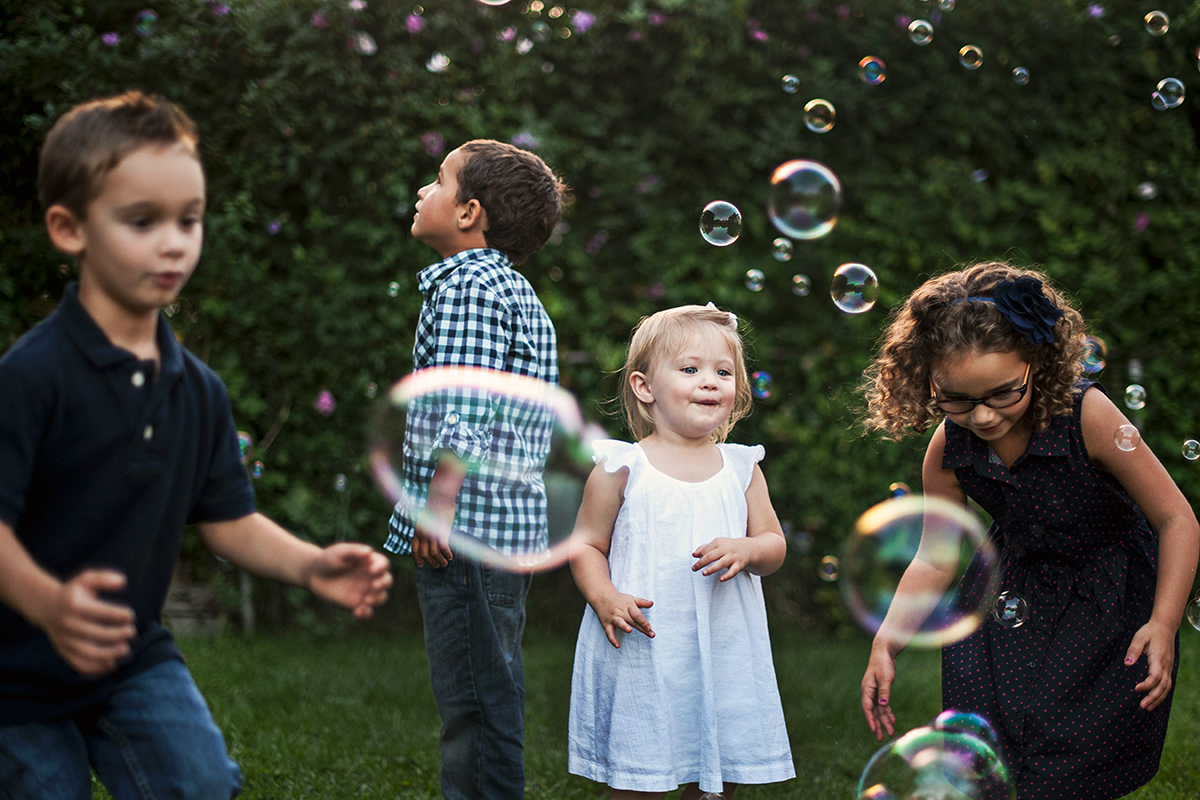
{"x": 503, "y": 434}
{"x": 931, "y": 764}
{"x": 945, "y": 536}
{"x": 804, "y": 199}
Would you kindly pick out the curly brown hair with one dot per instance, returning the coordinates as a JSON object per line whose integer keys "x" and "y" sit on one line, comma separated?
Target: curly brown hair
{"x": 935, "y": 323}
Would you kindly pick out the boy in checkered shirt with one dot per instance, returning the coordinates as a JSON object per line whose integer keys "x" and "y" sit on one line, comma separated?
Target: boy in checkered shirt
{"x": 491, "y": 207}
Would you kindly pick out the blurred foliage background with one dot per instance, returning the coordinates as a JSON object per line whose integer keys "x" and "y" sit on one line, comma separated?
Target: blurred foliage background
{"x": 321, "y": 118}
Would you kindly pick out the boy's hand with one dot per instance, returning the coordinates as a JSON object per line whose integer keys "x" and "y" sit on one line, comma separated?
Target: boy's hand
{"x": 623, "y": 611}
{"x": 1157, "y": 641}
{"x": 876, "y": 692}
{"x": 91, "y": 634}
{"x": 351, "y": 575}
{"x": 431, "y": 542}
{"x": 732, "y": 555}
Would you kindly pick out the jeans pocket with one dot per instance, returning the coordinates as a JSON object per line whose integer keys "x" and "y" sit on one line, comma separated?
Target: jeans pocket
{"x": 505, "y": 589}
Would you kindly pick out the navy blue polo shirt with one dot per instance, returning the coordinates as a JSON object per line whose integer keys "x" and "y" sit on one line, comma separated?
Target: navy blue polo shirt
{"x": 102, "y": 465}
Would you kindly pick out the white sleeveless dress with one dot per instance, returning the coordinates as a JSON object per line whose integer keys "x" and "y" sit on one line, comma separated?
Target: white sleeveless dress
{"x": 699, "y": 702}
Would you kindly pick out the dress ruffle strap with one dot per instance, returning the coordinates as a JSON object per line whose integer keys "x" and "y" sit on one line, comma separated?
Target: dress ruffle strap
{"x": 615, "y": 455}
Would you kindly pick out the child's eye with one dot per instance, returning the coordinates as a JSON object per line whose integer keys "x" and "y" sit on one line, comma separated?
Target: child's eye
{"x": 724, "y": 373}
{"x": 689, "y": 370}
{"x": 187, "y": 223}
{"x": 141, "y": 223}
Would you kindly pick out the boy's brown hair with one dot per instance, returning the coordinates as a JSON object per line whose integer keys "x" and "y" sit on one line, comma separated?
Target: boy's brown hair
{"x": 521, "y": 195}
{"x": 89, "y": 141}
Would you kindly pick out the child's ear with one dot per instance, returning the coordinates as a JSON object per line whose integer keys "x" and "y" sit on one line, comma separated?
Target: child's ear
{"x": 640, "y": 385}
{"x": 470, "y": 215}
{"x": 65, "y": 229}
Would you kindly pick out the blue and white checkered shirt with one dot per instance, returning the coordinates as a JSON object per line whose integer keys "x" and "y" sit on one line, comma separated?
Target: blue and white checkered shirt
{"x": 480, "y": 312}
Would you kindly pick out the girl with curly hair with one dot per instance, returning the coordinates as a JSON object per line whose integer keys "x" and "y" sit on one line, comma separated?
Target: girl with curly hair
{"x": 1095, "y": 538}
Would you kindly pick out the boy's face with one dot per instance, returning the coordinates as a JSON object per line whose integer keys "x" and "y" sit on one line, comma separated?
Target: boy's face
{"x": 436, "y": 222}
{"x": 143, "y": 232}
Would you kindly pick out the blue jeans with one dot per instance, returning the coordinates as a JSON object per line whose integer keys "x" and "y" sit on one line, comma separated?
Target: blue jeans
{"x": 154, "y": 737}
{"x": 474, "y": 618}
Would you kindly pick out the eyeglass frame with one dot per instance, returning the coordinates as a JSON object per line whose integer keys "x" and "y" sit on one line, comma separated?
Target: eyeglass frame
{"x": 974, "y": 401}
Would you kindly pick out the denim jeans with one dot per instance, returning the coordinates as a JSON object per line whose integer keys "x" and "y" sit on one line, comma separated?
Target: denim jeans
{"x": 154, "y": 737}
{"x": 474, "y": 618}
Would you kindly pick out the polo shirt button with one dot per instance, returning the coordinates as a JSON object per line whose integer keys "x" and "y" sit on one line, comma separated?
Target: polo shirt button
{"x": 148, "y": 433}
{"x": 452, "y": 418}
{"x": 137, "y": 379}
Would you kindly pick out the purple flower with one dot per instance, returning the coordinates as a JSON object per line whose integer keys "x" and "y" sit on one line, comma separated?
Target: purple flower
{"x": 357, "y": 5}
{"x": 1095, "y": 11}
{"x": 903, "y": 21}
{"x": 112, "y": 38}
{"x": 274, "y": 226}
{"x": 319, "y": 20}
{"x": 220, "y": 9}
{"x": 657, "y": 19}
{"x": 759, "y": 35}
{"x": 648, "y": 183}
{"x": 1141, "y": 222}
{"x": 433, "y": 142}
{"x": 325, "y": 403}
{"x": 635, "y": 36}
{"x": 1027, "y": 308}
{"x": 843, "y": 11}
{"x": 526, "y": 140}
{"x": 593, "y": 245}
{"x": 414, "y": 23}
{"x": 507, "y": 35}
{"x": 582, "y": 21}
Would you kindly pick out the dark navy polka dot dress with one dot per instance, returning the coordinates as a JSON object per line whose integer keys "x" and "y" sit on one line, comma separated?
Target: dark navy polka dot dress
{"x": 1077, "y": 548}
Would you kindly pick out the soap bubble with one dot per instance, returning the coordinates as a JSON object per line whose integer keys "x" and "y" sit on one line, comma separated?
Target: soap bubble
{"x": 245, "y": 445}
{"x": 1020, "y": 76}
{"x": 928, "y": 764}
{"x": 970, "y": 56}
{"x": 781, "y": 249}
{"x": 946, "y": 5}
{"x": 980, "y": 175}
{"x": 1193, "y": 612}
{"x": 394, "y": 289}
{"x": 801, "y": 285}
{"x": 872, "y": 70}
{"x": 1191, "y": 449}
{"x": 372, "y": 388}
{"x": 755, "y": 280}
{"x": 146, "y": 22}
{"x": 819, "y": 115}
{"x": 512, "y": 435}
{"x": 943, "y": 534}
{"x": 1127, "y": 438}
{"x": 899, "y": 489}
{"x": 790, "y": 84}
{"x": 1169, "y": 93}
{"x": 494, "y": 2}
{"x": 920, "y": 32}
{"x": 339, "y": 482}
{"x": 1095, "y": 351}
{"x": 1146, "y": 190}
{"x": 1135, "y": 397}
{"x": 438, "y": 63}
{"x": 804, "y": 199}
{"x": 1157, "y": 23}
{"x": 760, "y": 385}
{"x": 828, "y": 571}
{"x": 720, "y": 223}
{"x": 966, "y": 722}
{"x": 256, "y": 470}
{"x": 855, "y": 288}
{"x": 1010, "y": 610}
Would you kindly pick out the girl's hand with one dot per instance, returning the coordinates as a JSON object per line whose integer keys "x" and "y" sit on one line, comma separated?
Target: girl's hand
{"x": 732, "y": 555}
{"x": 622, "y": 611}
{"x": 1157, "y": 641}
{"x": 876, "y": 692}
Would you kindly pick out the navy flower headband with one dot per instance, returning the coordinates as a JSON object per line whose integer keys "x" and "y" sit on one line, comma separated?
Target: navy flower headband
{"x": 1024, "y": 305}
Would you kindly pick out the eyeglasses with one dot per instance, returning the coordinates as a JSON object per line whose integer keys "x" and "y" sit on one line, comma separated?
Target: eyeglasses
{"x": 961, "y": 405}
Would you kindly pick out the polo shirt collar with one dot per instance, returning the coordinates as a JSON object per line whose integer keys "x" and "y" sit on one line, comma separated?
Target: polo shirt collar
{"x": 98, "y": 349}
{"x": 434, "y": 274}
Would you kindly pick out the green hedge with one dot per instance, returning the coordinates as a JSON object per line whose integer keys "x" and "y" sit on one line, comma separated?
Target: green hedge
{"x": 316, "y": 140}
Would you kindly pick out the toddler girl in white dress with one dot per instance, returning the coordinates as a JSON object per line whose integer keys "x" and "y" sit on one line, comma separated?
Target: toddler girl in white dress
{"x": 673, "y": 680}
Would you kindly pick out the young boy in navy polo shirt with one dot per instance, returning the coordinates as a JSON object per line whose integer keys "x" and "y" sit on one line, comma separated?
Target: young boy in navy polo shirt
{"x": 113, "y": 437}
{"x": 491, "y": 207}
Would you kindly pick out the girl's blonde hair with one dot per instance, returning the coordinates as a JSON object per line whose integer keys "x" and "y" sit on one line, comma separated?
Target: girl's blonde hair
{"x": 937, "y": 322}
{"x": 666, "y": 334}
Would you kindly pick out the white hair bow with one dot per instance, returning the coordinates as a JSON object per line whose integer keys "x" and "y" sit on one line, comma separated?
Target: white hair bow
{"x": 732, "y": 316}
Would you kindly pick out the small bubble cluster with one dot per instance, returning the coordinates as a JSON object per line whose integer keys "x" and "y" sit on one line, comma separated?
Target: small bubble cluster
{"x": 1020, "y": 76}
{"x": 781, "y": 249}
{"x": 855, "y": 288}
{"x": 819, "y": 115}
{"x": 1191, "y": 449}
{"x": 790, "y": 84}
{"x": 872, "y": 70}
{"x": 1127, "y": 438}
{"x": 828, "y": 571}
{"x": 970, "y": 56}
{"x": 1095, "y": 351}
{"x": 1169, "y": 93}
{"x": 1011, "y": 610}
{"x": 755, "y": 280}
{"x": 920, "y": 32}
{"x": 804, "y": 199}
{"x": 720, "y": 223}
{"x": 1135, "y": 397}
{"x": 1157, "y": 23}
{"x": 801, "y": 285}
{"x": 760, "y": 385}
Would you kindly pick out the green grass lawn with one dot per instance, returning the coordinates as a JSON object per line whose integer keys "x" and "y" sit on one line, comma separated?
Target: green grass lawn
{"x": 353, "y": 716}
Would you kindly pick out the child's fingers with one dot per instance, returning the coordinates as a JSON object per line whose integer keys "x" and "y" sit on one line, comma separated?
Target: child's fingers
{"x": 643, "y": 602}
{"x": 641, "y": 623}
{"x": 611, "y": 634}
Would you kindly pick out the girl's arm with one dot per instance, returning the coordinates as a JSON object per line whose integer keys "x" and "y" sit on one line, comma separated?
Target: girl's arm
{"x": 760, "y": 551}
{"x": 602, "y": 497}
{"x": 922, "y": 578}
{"x": 1151, "y": 487}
